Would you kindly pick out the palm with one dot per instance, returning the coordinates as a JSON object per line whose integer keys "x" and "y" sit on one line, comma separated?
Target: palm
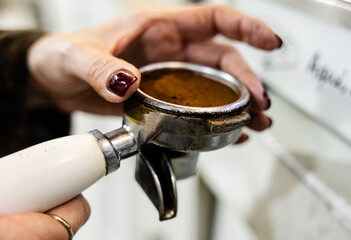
{"x": 160, "y": 42}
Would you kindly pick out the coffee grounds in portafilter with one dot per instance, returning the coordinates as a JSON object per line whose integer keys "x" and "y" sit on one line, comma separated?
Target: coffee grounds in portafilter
{"x": 184, "y": 87}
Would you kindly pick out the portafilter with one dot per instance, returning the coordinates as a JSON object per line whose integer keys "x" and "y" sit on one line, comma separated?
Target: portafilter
{"x": 165, "y": 137}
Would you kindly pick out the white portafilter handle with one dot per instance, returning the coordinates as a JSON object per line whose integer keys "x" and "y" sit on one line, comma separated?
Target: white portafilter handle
{"x": 46, "y": 175}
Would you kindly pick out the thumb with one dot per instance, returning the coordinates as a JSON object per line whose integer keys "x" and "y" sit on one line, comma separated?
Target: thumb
{"x": 112, "y": 78}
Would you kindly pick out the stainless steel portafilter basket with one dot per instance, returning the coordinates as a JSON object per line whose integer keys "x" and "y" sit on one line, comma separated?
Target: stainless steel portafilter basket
{"x": 184, "y": 128}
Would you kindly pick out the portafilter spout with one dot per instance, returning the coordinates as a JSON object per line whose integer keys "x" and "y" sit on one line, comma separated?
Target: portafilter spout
{"x": 157, "y": 170}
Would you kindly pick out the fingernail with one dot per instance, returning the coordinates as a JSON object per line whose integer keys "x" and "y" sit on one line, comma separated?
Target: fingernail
{"x": 270, "y": 122}
{"x": 120, "y": 81}
{"x": 243, "y": 137}
{"x": 268, "y": 100}
{"x": 280, "y": 44}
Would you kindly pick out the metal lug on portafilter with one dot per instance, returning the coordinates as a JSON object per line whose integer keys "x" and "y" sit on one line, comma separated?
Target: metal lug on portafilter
{"x": 182, "y": 163}
{"x": 156, "y": 172}
{"x": 155, "y": 176}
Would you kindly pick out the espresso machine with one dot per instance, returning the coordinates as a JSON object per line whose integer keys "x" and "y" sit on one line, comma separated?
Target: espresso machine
{"x": 166, "y": 139}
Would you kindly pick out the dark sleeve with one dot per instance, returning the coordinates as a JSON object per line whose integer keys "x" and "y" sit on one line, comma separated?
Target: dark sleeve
{"x": 19, "y": 126}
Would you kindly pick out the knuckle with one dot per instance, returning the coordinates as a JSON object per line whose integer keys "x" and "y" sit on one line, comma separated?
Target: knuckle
{"x": 65, "y": 49}
{"x": 82, "y": 215}
{"x": 97, "y": 68}
{"x": 86, "y": 210}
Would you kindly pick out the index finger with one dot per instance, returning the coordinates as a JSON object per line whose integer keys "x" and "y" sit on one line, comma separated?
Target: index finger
{"x": 201, "y": 22}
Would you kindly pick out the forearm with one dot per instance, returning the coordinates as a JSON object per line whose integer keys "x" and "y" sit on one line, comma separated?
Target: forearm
{"x": 13, "y": 67}
{"x": 16, "y": 119}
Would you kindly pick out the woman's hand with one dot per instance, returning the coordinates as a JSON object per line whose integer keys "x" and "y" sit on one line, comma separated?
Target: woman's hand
{"x": 40, "y": 226}
{"x": 97, "y": 68}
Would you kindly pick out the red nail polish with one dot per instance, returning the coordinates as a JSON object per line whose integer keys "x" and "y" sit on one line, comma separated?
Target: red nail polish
{"x": 280, "y": 44}
{"x": 120, "y": 81}
{"x": 243, "y": 137}
{"x": 268, "y": 100}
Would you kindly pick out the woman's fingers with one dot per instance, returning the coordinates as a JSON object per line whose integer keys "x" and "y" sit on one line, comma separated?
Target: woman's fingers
{"x": 259, "y": 121}
{"x": 112, "y": 78}
{"x": 115, "y": 80}
{"x": 175, "y": 27}
{"x": 65, "y": 66}
{"x": 243, "y": 138}
{"x": 228, "y": 59}
{"x": 41, "y": 226}
{"x": 203, "y": 22}
{"x": 75, "y": 212}
{"x": 159, "y": 42}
